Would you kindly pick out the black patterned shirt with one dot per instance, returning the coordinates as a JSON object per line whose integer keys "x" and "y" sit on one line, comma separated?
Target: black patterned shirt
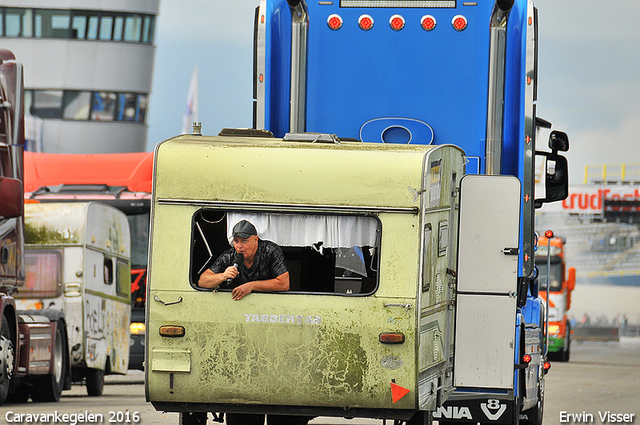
{"x": 267, "y": 264}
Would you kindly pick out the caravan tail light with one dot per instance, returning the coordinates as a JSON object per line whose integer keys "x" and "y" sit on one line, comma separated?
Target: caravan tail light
{"x": 391, "y": 338}
{"x": 172, "y": 331}
{"x": 335, "y": 22}
{"x": 459, "y": 23}
{"x": 396, "y": 22}
{"x": 428, "y": 22}
{"x": 365, "y": 22}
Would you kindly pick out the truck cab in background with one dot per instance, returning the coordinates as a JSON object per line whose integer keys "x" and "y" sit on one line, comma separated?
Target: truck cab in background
{"x": 34, "y": 353}
{"x": 562, "y": 281}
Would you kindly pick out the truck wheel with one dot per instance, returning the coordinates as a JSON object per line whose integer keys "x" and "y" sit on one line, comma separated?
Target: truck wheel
{"x": 193, "y": 418}
{"x": 288, "y": 420}
{"x": 49, "y": 387}
{"x": 421, "y": 418}
{"x": 565, "y": 353}
{"x": 6, "y": 360}
{"x": 534, "y": 415}
{"x": 95, "y": 382}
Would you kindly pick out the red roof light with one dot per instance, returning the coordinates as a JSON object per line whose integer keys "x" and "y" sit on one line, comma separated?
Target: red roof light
{"x": 459, "y": 23}
{"x": 428, "y": 22}
{"x": 334, "y": 21}
{"x": 396, "y": 22}
{"x": 365, "y": 22}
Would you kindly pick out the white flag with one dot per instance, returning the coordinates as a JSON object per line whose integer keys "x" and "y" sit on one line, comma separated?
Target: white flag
{"x": 191, "y": 111}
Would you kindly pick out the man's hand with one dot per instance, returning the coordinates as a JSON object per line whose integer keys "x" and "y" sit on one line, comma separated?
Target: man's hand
{"x": 240, "y": 291}
{"x": 230, "y": 273}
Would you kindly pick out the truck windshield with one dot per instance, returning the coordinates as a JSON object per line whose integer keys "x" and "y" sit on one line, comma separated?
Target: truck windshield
{"x": 555, "y": 276}
{"x": 139, "y": 226}
{"x": 43, "y": 274}
{"x": 328, "y": 254}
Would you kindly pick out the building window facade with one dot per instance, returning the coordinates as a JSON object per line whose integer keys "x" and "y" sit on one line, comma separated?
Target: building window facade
{"x": 78, "y": 105}
{"x": 77, "y": 24}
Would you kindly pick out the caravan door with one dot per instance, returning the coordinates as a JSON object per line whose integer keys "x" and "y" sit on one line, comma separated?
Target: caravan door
{"x": 487, "y": 281}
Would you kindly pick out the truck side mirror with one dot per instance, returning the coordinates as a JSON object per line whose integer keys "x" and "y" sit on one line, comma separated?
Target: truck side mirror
{"x": 558, "y": 141}
{"x": 571, "y": 281}
{"x": 556, "y": 169}
{"x": 12, "y": 195}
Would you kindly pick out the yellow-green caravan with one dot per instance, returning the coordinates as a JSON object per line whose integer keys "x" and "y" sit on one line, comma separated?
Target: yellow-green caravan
{"x": 369, "y": 237}
{"x": 78, "y": 260}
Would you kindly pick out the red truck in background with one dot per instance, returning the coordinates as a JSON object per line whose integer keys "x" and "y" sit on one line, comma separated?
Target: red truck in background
{"x": 34, "y": 356}
{"x": 562, "y": 282}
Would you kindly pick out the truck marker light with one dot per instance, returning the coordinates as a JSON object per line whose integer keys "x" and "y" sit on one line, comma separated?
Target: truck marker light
{"x": 459, "y": 23}
{"x": 396, "y": 22}
{"x": 391, "y": 338}
{"x": 137, "y": 328}
{"x": 334, "y": 21}
{"x": 428, "y": 23}
{"x": 397, "y": 392}
{"x": 548, "y": 234}
{"x": 526, "y": 358}
{"x": 546, "y": 366}
{"x": 365, "y": 22}
{"x": 172, "y": 331}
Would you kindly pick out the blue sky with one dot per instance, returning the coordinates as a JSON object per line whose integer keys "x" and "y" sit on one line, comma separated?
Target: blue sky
{"x": 589, "y": 72}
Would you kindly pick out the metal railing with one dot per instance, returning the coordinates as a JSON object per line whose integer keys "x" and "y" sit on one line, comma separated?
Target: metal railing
{"x": 624, "y": 173}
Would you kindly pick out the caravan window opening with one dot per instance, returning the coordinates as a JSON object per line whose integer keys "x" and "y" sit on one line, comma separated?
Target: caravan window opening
{"x": 108, "y": 271}
{"x": 123, "y": 277}
{"x": 43, "y": 268}
{"x": 324, "y": 253}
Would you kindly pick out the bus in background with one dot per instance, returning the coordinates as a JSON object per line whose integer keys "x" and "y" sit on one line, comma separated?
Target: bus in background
{"x": 122, "y": 180}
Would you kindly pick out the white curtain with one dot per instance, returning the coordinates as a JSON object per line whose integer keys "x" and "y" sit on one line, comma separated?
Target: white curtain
{"x": 309, "y": 230}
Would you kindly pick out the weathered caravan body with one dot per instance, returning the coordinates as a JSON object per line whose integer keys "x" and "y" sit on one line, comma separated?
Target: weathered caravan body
{"x": 78, "y": 260}
{"x": 369, "y": 237}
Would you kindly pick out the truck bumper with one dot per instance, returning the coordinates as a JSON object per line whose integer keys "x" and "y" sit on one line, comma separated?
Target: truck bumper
{"x": 483, "y": 407}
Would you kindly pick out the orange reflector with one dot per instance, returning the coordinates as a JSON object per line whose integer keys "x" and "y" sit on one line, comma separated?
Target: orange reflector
{"x": 334, "y": 21}
{"x": 526, "y": 358}
{"x": 391, "y": 338}
{"x": 397, "y": 392}
{"x": 428, "y": 22}
{"x": 172, "y": 331}
{"x": 459, "y": 23}
{"x": 548, "y": 234}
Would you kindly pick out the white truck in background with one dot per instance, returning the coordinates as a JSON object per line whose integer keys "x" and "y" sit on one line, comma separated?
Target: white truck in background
{"x": 78, "y": 261}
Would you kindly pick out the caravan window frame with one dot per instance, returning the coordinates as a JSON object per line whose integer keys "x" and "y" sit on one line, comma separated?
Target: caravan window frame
{"x": 309, "y": 260}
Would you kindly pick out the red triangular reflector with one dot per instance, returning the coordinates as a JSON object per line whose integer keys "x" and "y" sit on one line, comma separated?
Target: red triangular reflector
{"x": 397, "y": 392}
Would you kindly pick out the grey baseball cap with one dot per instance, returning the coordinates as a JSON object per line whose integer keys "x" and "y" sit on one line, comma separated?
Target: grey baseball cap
{"x": 244, "y": 229}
